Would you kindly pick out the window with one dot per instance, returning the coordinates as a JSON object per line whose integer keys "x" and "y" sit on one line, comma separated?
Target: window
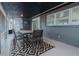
{"x": 65, "y": 17}
{"x": 17, "y": 24}
{"x": 50, "y": 19}
{"x": 36, "y": 23}
{"x": 75, "y": 15}
{"x": 62, "y": 17}
{"x": 10, "y": 24}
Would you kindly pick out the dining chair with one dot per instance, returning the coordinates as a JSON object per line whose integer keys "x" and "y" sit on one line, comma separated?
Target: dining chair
{"x": 17, "y": 39}
{"x": 36, "y": 36}
{"x": 34, "y": 39}
{"x": 25, "y": 38}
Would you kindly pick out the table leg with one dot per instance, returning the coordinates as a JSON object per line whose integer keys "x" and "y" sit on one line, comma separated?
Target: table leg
{"x": 23, "y": 45}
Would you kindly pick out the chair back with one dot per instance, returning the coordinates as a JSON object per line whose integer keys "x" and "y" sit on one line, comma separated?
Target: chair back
{"x": 37, "y": 33}
{"x": 17, "y": 35}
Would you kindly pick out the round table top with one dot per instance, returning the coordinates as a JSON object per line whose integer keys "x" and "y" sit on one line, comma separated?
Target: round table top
{"x": 26, "y": 31}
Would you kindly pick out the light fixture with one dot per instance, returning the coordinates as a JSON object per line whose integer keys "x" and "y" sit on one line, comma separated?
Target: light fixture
{"x": 21, "y": 15}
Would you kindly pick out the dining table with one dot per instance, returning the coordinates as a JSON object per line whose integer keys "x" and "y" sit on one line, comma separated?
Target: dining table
{"x": 25, "y": 32}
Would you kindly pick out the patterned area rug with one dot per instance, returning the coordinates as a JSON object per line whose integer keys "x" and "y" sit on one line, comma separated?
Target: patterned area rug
{"x": 32, "y": 49}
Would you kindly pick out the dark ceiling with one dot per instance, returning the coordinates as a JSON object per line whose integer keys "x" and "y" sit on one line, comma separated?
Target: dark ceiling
{"x": 28, "y": 9}
{"x": 31, "y": 9}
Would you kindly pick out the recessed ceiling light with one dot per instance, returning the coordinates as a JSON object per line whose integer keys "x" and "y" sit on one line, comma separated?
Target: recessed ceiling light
{"x": 21, "y": 15}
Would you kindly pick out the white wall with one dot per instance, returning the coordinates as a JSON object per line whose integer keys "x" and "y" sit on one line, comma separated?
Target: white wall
{"x": 2, "y": 34}
{"x": 2, "y": 30}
